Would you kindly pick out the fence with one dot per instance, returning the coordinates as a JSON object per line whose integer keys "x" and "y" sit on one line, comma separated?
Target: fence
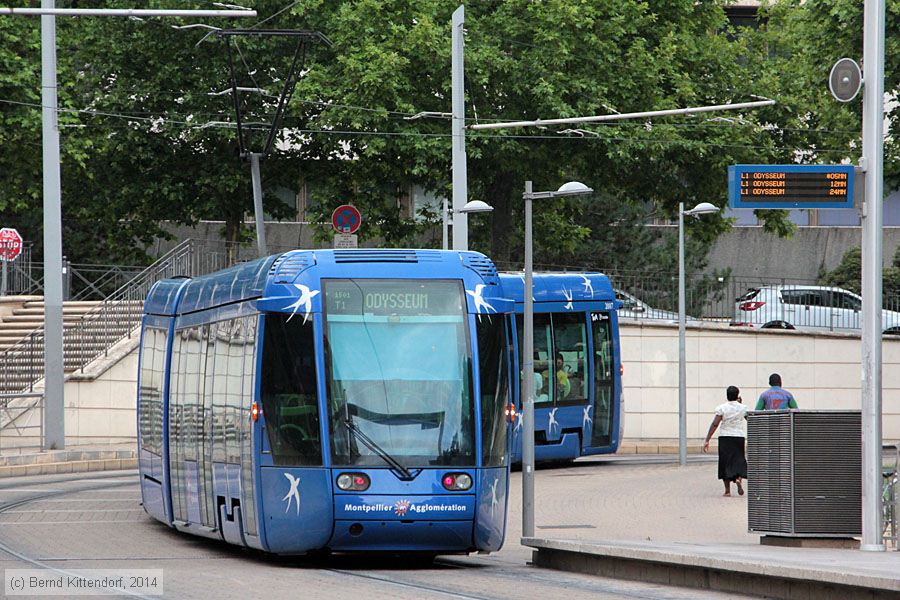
{"x": 18, "y": 277}
{"x": 117, "y": 316}
{"x": 890, "y": 496}
{"x": 749, "y": 301}
{"x": 21, "y": 421}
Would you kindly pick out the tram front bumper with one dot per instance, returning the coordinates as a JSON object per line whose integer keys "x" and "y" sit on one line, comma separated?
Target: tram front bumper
{"x": 403, "y": 523}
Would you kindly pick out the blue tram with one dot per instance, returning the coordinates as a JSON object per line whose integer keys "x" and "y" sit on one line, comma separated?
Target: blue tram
{"x": 577, "y": 364}
{"x": 345, "y": 400}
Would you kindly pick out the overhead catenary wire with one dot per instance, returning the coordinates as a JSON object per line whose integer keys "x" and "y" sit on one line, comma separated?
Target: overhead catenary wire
{"x": 164, "y": 121}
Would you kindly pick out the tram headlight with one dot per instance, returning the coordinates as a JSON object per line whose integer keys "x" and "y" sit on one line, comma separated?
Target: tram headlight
{"x": 353, "y": 482}
{"x": 456, "y": 482}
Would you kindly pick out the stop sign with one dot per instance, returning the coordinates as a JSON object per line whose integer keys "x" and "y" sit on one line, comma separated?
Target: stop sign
{"x": 10, "y": 244}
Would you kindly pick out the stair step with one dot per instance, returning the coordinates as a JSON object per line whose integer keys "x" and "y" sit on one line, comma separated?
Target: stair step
{"x": 39, "y": 312}
{"x": 37, "y": 321}
{"x": 72, "y": 303}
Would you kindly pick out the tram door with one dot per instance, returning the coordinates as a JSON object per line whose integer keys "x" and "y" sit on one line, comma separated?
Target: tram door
{"x": 543, "y": 376}
{"x": 561, "y": 385}
{"x": 604, "y": 380}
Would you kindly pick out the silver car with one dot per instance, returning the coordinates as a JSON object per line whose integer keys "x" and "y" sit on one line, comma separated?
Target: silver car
{"x": 632, "y": 308}
{"x": 805, "y": 307}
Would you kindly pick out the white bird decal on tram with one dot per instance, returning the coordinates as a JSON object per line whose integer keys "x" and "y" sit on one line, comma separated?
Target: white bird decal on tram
{"x": 305, "y": 300}
{"x": 494, "y": 501}
{"x": 293, "y": 493}
{"x": 588, "y": 286}
{"x": 479, "y": 300}
{"x": 551, "y": 421}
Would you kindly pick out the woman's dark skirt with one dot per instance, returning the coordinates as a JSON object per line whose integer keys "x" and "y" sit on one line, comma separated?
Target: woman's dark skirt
{"x": 732, "y": 462}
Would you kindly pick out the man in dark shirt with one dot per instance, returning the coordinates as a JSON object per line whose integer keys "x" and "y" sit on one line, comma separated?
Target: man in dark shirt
{"x": 776, "y": 397}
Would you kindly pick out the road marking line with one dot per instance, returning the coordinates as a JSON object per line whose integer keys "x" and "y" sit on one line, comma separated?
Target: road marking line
{"x": 73, "y": 510}
{"x": 6, "y": 524}
{"x": 137, "y": 499}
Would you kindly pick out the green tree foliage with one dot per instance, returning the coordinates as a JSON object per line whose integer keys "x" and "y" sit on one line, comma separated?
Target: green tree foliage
{"x": 848, "y": 275}
{"x": 135, "y": 152}
{"x": 794, "y": 54}
{"x": 527, "y": 60}
{"x": 346, "y": 129}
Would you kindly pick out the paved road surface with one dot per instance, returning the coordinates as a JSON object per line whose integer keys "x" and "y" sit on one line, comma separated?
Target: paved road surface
{"x": 95, "y": 521}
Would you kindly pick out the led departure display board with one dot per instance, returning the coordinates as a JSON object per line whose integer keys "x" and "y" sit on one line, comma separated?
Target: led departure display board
{"x": 790, "y": 186}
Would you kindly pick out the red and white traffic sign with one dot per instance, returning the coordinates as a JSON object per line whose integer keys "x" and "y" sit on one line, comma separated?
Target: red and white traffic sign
{"x": 346, "y": 219}
{"x": 10, "y": 244}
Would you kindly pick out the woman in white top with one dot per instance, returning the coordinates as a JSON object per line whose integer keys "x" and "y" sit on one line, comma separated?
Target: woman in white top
{"x": 732, "y": 462}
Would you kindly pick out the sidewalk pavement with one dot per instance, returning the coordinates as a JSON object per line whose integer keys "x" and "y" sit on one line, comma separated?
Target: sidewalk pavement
{"x": 634, "y": 518}
{"x": 772, "y": 572}
{"x": 79, "y": 459}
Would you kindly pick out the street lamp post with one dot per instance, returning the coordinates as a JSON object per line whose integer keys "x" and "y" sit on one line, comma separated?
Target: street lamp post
{"x": 701, "y": 209}
{"x": 572, "y": 188}
{"x": 475, "y": 206}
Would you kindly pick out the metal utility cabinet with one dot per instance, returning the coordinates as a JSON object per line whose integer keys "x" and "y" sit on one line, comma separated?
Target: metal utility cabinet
{"x": 805, "y": 474}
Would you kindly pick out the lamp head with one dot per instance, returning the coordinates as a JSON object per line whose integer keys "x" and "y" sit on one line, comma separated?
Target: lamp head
{"x": 572, "y": 188}
{"x": 476, "y": 206}
{"x": 704, "y": 208}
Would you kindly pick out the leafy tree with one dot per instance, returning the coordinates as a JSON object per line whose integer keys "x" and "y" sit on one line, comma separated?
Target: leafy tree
{"x": 794, "y": 54}
{"x": 526, "y": 60}
{"x": 346, "y": 130}
{"x": 137, "y": 152}
{"x": 848, "y": 275}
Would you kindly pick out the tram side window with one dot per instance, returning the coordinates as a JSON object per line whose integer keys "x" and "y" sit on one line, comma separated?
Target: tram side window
{"x": 235, "y": 358}
{"x": 543, "y": 357}
{"x": 570, "y": 366}
{"x": 192, "y": 399}
{"x": 289, "y": 393}
{"x": 249, "y": 350}
{"x": 604, "y": 384}
{"x": 492, "y": 371}
{"x": 153, "y": 357}
{"x": 205, "y": 361}
{"x": 217, "y": 369}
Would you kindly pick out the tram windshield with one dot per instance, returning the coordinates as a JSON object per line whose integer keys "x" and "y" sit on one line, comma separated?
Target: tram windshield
{"x": 398, "y": 363}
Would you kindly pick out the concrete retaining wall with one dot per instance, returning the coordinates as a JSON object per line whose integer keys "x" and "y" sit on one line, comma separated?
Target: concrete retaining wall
{"x": 747, "y": 251}
{"x": 823, "y": 371}
{"x": 101, "y": 410}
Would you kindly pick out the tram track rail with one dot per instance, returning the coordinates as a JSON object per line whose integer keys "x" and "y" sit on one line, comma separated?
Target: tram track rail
{"x": 495, "y": 577}
{"x": 37, "y": 497}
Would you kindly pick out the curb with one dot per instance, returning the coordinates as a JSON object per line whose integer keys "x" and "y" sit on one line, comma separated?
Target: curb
{"x": 683, "y": 568}
{"x": 72, "y": 466}
{"x": 53, "y": 462}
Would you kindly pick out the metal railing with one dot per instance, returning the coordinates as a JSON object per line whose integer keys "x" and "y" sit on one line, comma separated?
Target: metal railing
{"x": 780, "y": 302}
{"x": 118, "y": 316}
{"x": 890, "y": 496}
{"x": 20, "y": 278}
{"x": 21, "y": 421}
{"x": 21, "y": 365}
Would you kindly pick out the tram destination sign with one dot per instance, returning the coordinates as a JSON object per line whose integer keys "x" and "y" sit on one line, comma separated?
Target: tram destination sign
{"x": 393, "y": 297}
{"x": 790, "y": 186}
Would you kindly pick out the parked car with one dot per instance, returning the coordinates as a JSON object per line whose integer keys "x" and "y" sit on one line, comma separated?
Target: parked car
{"x": 632, "y": 308}
{"x": 806, "y": 307}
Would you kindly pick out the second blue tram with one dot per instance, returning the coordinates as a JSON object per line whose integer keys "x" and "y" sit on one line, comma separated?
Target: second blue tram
{"x": 345, "y": 400}
{"x": 577, "y": 365}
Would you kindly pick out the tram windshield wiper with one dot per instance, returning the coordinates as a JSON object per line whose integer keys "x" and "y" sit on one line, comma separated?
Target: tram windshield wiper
{"x": 402, "y": 472}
